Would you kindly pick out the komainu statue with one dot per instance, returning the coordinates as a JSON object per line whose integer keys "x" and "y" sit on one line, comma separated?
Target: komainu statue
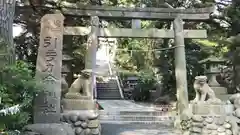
{"x": 203, "y": 91}
{"x": 81, "y": 87}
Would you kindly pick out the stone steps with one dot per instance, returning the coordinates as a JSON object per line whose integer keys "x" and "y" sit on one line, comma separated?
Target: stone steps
{"x": 124, "y": 111}
{"x": 108, "y": 97}
{"x": 135, "y": 118}
{"x": 133, "y": 113}
{"x": 134, "y": 122}
{"x": 108, "y": 94}
{"x": 108, "y": 90}
{"x": 107, "y": 86}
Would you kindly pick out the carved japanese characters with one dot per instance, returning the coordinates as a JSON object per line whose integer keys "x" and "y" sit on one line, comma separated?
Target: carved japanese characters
{"x": 81, "y": 87}
{"x": 203, "y": 91}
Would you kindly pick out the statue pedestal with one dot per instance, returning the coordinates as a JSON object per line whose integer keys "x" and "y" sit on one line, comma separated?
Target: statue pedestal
{"x": 82, "y": 114}
{"x": 221, "y": 93}
{"x": 84, "y": 122}
{"x": 211, "y": 119}
{"x": 211, "y": 109}
{"x": 78, "y": 104}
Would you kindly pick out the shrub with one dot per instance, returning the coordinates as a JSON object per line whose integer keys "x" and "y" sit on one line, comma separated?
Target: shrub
{"x": 17, "y": 86}
{"x": 146, "y": 82}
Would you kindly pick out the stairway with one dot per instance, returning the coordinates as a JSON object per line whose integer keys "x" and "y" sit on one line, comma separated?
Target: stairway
{"x": 128, "y": 112}
{"x": 108, "y": 90}
{"x": 122, "y": 117}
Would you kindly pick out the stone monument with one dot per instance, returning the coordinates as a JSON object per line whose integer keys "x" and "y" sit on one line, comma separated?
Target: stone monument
{"x": 80, "y": 109}
{"x": 48, "y": 69}
{"x": 212, "y": 66}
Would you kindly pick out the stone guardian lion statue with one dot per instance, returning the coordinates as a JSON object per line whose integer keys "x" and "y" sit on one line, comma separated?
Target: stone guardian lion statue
{"x": 203, "y": 91}
{"x": 81, "y": 87}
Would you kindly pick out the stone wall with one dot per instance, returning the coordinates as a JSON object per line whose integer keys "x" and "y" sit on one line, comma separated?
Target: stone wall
{"x": 211, "y": 119}
{"x": 83, "y": 122}
{"x": 213, "y": 125}
{"x": 235, "y": 117}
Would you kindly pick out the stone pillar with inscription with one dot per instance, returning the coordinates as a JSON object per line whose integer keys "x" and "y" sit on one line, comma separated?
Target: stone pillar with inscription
{"x": 48, "y": 72}
{"x": 48, "y": 69}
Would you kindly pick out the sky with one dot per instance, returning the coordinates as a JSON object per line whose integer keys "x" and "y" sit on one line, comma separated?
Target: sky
{"x": 17, "y": 31}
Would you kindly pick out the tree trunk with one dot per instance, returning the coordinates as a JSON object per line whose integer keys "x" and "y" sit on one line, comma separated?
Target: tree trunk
{"x": 7, "y": 10}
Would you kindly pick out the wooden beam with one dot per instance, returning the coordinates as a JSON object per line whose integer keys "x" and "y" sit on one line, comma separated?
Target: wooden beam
{"x": 129, "y": 13}
{"x": 135, "y": 33}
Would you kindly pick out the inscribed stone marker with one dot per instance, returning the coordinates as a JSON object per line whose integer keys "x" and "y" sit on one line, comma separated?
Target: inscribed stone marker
{"x": 48, "y": 69}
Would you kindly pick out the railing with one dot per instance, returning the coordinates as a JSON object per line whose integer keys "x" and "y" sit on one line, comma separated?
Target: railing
{"x": 117, "y": 78}
{"x": 119, "y": 87}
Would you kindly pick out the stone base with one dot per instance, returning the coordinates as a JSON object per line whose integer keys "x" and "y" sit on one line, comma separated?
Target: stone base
{"x": 220, "y": 90}
{"x": 224, "y": 97}
{"x": 209, "y": 109}
{"x": 77, "y": 96}
{"x": 78, "y": 104}
{"x": 211, "y": 119}
{"x": 84, "y": 122}
{"x": 48, "y": 129}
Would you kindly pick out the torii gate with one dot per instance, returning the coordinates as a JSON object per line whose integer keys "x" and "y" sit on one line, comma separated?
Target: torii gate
{"x": 177, "y": 15}
{"x": 96, "y": 12}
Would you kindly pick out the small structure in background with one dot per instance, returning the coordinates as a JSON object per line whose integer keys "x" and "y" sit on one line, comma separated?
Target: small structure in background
{"x": 130, "y": 83}
{"x": 66, "y": 61}
{"x": 66, "y": 68}
{"x": 128, "y": 86}
{"x": 212, "y": 67}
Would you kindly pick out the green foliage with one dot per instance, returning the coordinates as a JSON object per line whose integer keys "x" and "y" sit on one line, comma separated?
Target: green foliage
{"x": 134, "y": 55}
{"x": 124, "y": 74}
{"x": 17, "y": 86}
{"x": 146, "y": 82}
